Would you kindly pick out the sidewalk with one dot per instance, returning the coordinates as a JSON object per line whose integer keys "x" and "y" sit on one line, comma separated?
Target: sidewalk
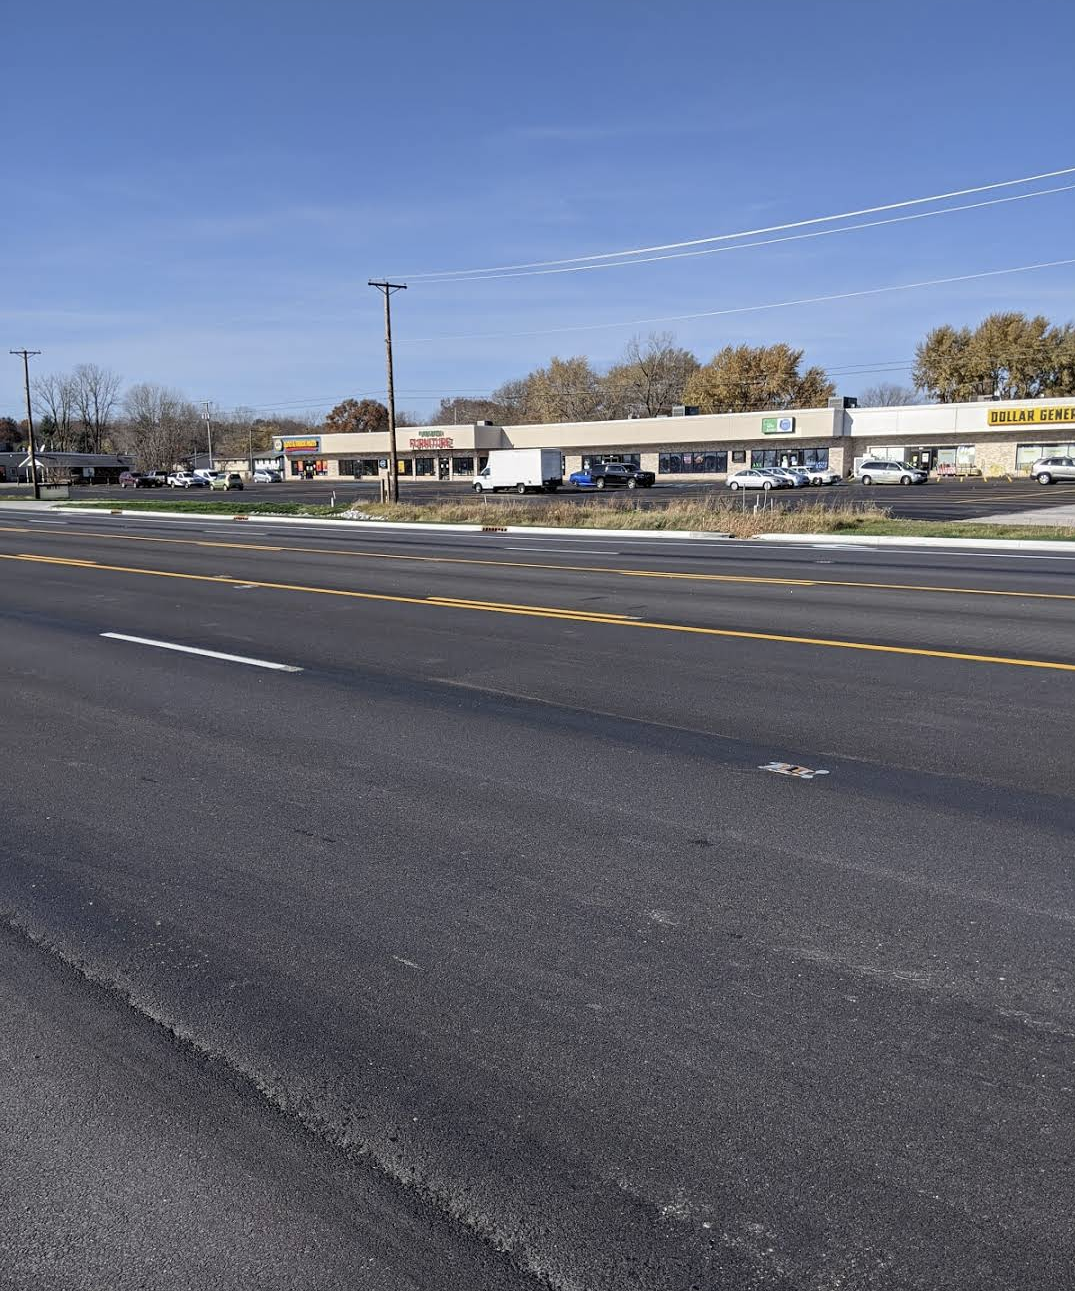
{"x": 1064, "y": 515}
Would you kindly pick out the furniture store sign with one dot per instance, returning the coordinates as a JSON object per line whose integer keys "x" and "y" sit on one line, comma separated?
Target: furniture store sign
{"x": 433, "y": 443}
{"x": 1031, "y": 416}
{"x": 304, "y": 444}
{"x": 778, "y": 425}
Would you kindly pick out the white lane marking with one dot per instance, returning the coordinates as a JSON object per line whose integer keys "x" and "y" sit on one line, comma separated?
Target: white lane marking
{"x": 209, "y": 654}
{"x": 789, "y": 768}
{"x": 571, "y": 551}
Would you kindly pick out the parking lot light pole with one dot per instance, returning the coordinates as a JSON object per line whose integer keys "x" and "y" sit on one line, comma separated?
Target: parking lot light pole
{"x": 26, "y": 356}
{"x": 393, "y": 461}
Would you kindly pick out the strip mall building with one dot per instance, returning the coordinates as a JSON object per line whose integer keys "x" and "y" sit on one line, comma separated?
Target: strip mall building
{"x": 990, "y": 438}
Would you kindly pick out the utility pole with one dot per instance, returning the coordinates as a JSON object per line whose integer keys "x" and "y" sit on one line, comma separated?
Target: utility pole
{"x": 26, "y": 356}
{"x": 208, "y": 434}
{"x": 393, "y": 461}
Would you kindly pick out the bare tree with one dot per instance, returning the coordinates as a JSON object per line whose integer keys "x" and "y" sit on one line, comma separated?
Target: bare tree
{"x": 650, "y": 377}
{"x": 887, "y": 395}
{"x": 162, "y": 426}
{"x": 54, "y": 402}
{"x": 96, "y": 394}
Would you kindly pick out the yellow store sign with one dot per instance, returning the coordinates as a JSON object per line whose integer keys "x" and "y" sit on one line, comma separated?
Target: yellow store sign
{"x": 1031, "y": 416}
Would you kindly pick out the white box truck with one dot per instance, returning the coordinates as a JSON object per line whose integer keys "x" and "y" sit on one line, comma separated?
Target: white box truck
{"x": 520, "y": 470}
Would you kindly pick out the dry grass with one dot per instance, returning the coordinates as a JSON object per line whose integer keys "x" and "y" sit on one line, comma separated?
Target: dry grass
{"x": 736, "y": 516}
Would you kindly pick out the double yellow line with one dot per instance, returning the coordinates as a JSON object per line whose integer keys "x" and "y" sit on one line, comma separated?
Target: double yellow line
{"x": 557, "y": 613}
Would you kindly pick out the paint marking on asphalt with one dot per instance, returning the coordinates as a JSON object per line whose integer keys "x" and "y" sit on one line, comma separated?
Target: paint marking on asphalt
{"x": 570, "y": 551}
{"x": 208, "y": 654}
{"x": 566, "y": 615}
{"x": 622, "y": 573}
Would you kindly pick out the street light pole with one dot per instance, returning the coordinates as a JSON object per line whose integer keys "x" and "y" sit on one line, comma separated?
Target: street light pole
{"x": 393, "y": 461}
{"x": 26, "y": 356}
{"x": 209, "y": 433}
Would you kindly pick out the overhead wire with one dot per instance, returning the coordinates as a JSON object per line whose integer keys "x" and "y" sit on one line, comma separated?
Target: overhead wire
{"x": 744, "y": 233}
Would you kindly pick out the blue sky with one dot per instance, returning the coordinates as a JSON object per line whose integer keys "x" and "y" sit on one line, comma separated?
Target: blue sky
{"x": 197, "y": 197}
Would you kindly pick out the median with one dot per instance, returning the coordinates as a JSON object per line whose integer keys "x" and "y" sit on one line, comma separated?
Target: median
{"x": 736, "y": 518}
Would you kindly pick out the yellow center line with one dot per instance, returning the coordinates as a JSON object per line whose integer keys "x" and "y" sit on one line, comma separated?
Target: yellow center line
{"x": 689, "y": 576}
{"x": 559, "y": 614}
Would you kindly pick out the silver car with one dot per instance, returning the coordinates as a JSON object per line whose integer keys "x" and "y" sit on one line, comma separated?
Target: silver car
{"x": 884, "y": 472}
{"x": 794, "y": 475}
{"x": 1047, "y": 469}
{"x": 820, "y": 474}
{"x": 751, "y": 479}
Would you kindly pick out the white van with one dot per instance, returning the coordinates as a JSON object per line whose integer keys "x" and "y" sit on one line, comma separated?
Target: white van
{"x": 521, "y": 469}
{"x": 208, "y": 476}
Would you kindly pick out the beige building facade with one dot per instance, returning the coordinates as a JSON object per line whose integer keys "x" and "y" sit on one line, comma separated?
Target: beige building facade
{"x": 988, "y": 438}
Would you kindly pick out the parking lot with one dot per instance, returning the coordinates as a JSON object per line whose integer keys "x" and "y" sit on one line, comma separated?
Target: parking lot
{"x": 937, "y": 500}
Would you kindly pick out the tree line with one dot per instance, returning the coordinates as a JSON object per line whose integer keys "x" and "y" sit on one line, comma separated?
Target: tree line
{"x": 1007, "y": 356}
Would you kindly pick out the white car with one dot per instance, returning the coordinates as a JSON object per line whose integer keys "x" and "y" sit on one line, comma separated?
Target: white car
{"x": 885, "y": 472}
{"x": 751, "y": 479}
{"x": 820, "y": 474}
{"x": 207, "y": 476}
{"x": 795, "y": 476}
{"x": 184, "y": 480}
{"x": 266, "y": 477}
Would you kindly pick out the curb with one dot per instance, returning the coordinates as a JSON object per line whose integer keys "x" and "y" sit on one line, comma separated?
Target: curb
{"x": 369, "y": 525}
{"x": 827, "y": 539}
{"x": 893, "y": 540}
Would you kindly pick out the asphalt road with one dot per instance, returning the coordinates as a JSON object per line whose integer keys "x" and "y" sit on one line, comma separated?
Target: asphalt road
{"x": 483, "y": 950}
{"x": 938, "y": 500}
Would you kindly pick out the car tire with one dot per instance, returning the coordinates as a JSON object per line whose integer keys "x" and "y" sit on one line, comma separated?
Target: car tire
{"x": 867, "y": 480}
{"x": 1044, "y": 477}
{"x": 734, "y": 486}
{"x": 906, "y": 479}
{"x": 478, "y": 488}
{"x": 632, "y": 484}
{"x": 520, "y": 489}
{"x": 767, "y": 485}
{"x": 600, "y": 484}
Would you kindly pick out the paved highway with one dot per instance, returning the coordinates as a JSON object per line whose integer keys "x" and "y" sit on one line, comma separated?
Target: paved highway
{"x": 938, "y": 500}
{"x": 485, "y": 941}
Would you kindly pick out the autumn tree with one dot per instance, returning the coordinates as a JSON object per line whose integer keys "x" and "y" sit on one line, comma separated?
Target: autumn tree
{"x": 10, "y": 434}
{"x": 354, "y": 416}
{"x": 887, "y": 395}
{"x": 1007, "y": 356}
{"x": 749, "y": 378}
{"x": 566, "y": 390}
{"x": 650, "y": 378}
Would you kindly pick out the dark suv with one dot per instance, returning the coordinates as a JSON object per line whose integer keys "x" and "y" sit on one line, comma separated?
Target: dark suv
{"x": 608, "y": 475}
{"x": 136, "y": 480}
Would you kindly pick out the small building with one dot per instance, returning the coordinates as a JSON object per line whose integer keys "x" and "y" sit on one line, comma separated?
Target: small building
{"x": 65, "y": 468}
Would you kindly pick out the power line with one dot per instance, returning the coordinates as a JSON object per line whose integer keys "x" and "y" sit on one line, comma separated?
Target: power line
{"x": 746, "y": 233}
{"x": 745, "y": 246}
{"x": 744, "y": 309}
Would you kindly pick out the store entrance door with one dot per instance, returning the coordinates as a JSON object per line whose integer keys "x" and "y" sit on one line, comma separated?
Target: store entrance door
{"x": 922, "y": 458}
{"x": 444, "y": 468}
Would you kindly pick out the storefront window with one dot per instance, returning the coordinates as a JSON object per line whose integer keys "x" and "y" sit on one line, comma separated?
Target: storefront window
{"x": 705, "y": 463}
{"x": 423, "y": 466}
{"x": 463, "y": 466}
{"x": 1027, "y": 454}
{"x": 739, "y": 456}
{"x": 602, "y": 459}
{"x": 348, "y": 466}
{"x": 369, "y": 465}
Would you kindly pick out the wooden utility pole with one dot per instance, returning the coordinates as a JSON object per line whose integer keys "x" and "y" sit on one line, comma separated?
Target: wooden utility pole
{"x": 393, "y": 461}
{"x": 26, "y": 356}
{"x": 208, "y": 433}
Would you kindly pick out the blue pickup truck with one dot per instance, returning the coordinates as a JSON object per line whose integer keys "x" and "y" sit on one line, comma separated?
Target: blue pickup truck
{"x": 612, "y": 475}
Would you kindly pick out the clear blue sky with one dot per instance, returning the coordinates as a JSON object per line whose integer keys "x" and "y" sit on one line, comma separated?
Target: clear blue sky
{"x": 196, "y": 194}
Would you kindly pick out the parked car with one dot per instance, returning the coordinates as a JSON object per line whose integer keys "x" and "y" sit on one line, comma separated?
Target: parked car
{"x": 611, "y": 475}
{"x": 158, "y": 479}
{"x": 136, "y": 480}
{"x": 206, "y": 475}
{"x": 820, "y": 474}
{"x": 262, "y": 476}
{"x": 231, "y": 480}
{"x": 1047, "y": 469}
{"x": 796, "y": 478}
{"x": 753, "y": 479}
{"x": 184, "y": 480}
{"x": 881, "y": 472}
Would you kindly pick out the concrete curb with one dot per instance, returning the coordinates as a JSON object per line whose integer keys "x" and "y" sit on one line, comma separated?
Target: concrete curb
{"x": 969, "y": 544}
{"x": 546, "y": 531}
